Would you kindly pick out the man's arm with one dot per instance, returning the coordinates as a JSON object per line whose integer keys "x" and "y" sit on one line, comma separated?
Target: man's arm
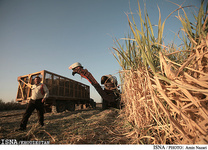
{"x": 46, "y": 93}
{"x": 28, "y": 84}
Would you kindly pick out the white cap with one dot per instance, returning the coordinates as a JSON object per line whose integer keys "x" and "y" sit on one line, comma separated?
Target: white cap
{"x": 77, "y": 64}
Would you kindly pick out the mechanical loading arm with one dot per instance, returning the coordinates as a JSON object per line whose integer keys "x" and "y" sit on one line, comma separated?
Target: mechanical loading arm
{"x": 78, "y": 69}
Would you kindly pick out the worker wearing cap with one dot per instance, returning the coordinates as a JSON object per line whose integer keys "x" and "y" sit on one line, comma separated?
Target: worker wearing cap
{"x": 39, "y": 94}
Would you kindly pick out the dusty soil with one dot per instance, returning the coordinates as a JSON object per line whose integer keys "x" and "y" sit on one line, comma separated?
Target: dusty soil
{"x": 89, "y": 126}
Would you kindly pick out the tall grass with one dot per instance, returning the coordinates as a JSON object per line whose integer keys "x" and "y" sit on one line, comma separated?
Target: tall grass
{"x": 165, "y": 88}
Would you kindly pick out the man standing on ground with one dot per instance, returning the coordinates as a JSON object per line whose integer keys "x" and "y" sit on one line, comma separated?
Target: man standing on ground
{"x": 39, "y": 94}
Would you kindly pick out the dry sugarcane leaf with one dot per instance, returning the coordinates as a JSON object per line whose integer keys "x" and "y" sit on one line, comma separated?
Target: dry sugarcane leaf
{"x": 196, "y": 102}
{"x": 196, "y": 81}
{"x": 185, "y": 64}
{"x": 173, "y": 121}
{"x": 166, "y": 67}
{"x": 190, "y": 87}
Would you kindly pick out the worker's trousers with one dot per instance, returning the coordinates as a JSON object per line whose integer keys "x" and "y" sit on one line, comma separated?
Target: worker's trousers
{"x": 33, "y": 104}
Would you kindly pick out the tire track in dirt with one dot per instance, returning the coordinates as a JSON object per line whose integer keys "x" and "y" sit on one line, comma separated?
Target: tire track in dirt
{"x": 11, "y": 115}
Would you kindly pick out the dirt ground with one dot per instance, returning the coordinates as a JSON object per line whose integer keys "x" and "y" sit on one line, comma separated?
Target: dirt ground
{"x": 89, "y": 126}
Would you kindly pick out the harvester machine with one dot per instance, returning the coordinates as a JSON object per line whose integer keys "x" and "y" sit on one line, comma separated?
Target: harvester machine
{"x": 110, "y": 94}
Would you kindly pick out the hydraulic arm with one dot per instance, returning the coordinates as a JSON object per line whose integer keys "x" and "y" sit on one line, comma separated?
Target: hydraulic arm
{"x": 87, "y": 75}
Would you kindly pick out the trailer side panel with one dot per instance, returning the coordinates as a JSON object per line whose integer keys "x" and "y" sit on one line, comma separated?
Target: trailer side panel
{"x": 60, "y": 88}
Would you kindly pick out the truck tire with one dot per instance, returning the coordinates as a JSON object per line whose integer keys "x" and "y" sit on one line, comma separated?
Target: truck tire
{"x": 70, "y": 106}
{"x": 92, "y": 103}
{"x": 60, "y": 106}
{"x": 53, "y": 109}
{"x": 47, "y": 108}
{"x": 94, "y": 106}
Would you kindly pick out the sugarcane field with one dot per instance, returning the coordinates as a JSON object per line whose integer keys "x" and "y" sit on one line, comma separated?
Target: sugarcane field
{"x": 159, "y": 95}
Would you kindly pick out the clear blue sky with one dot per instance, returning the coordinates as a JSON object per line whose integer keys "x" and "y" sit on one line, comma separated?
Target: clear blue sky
{"x": 51, "y": 35}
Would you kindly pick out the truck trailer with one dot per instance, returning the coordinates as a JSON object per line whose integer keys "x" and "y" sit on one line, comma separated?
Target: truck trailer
{"x": 64, "y": 93}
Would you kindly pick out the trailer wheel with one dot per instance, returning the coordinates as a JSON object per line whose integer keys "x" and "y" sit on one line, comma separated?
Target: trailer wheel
{"x": 92, "y": 103}
{"x": 53, "y": 109}
{"x": 60, "y": 106}
{"x": 70, "y": 106}
{"x": 94, "y": 106}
